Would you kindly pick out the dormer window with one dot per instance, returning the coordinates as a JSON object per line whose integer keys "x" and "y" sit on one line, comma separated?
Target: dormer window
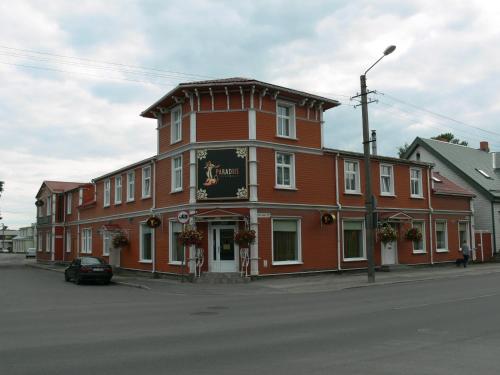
{"x": 285, "y": 117}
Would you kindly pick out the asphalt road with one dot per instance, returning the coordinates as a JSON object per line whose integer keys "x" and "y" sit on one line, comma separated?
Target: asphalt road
{"x": 48, "y": 326}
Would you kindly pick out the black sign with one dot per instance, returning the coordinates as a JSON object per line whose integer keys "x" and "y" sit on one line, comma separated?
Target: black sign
{"x": 222, "y": 174}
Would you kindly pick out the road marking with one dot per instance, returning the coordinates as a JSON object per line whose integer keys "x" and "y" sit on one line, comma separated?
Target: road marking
{"x": 445, "y": 302}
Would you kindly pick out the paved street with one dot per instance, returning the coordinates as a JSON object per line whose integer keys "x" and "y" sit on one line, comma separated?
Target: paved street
{"x": 442, "y": 326}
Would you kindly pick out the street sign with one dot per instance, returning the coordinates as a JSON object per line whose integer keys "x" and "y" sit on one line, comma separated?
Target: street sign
{"x": 183, "y": 217}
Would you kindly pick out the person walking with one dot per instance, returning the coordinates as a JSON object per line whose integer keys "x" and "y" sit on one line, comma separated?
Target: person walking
{"x": 465, "y": 252}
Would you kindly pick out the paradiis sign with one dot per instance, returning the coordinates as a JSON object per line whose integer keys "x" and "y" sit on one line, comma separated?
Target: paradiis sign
{"x": 222, "y": 174}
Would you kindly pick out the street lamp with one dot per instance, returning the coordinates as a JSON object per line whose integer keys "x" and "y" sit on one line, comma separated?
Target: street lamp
{"x": 369, "y": 199}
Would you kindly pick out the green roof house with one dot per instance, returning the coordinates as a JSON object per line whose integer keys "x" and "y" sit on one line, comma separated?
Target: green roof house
{"x": 478, "y": 170}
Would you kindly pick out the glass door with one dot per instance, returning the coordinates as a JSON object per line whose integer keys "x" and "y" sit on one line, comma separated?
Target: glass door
{"x": 223, "y": 249}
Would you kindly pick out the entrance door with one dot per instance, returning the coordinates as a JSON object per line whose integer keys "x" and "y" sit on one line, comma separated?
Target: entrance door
{"x": 389, "y": 252}
{"x": 223, "y": 249}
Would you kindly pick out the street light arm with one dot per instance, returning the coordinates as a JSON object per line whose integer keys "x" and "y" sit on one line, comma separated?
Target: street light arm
{"x": 375, "y": 63}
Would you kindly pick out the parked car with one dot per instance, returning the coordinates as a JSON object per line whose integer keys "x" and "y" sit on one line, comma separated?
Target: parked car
{"x": 89, "y": 269}
{"x": 31, "y": 252}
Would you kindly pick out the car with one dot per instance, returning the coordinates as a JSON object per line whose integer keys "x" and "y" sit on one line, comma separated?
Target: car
{"x": 88, "y": 268}
{"x": 31, "y": 252}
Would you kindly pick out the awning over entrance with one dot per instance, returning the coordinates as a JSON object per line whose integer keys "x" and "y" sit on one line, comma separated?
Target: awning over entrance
{"x": 398, "y": 217}
{"x": 110, "y": 228}
{"x": 218, "y": 214}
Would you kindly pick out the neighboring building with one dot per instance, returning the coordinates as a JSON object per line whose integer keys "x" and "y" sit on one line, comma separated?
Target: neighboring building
{"x": 25, "y": 239}
{"x": 6, "y": 237}
{"x": 478, "y": 170}
{"x": 238, "y": 153}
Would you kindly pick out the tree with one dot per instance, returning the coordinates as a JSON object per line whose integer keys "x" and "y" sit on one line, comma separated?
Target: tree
{"x": 450, "y": 138}
{"x": 1, "y": 188}
{"x": 402, "y": 150}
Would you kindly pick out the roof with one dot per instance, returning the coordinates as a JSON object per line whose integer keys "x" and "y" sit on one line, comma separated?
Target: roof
{"x": 121, "y": 170}
{"x": 388, "y": 159}
{"x": 465, "y": 161}
{"x": 168, "y": 99}
{"x": 60, "y": 186}
{"x": 441, "y": 185}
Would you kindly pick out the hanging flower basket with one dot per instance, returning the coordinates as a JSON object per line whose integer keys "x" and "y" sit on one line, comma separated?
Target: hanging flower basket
{"x": 190, "y": 236}
{"x": 387, "y": 234}
{"x": 413, "y": 234}
{"x": 120, "y": 240}
{"x": 244, "y": 237}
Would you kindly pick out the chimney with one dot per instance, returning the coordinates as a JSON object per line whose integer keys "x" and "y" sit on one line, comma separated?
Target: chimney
{"x": 483, "y": 146}
{"x": 374, "y": 142}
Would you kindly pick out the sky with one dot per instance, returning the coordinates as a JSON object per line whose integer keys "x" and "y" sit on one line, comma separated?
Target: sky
{"x": 74, "y": 76}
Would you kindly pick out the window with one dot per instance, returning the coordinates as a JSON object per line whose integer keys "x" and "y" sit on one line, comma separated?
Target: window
{"x": 354, "y": 240}
{"x": 386, "y": 179}
{"x": 49, "y": 205}
{"x": 419, "y": 246}
{"x": 86, "y": 241}
{"x": 107, "y": 192}
{"x": 68, "y": 241}
{"x": 463, "y": 234}
{"x": 285, "y": 170}
{"x": 176, "y": 255}
{"x": 177, "y": 173}
{"x": 130, "y": 186}
{"x": 416, "y": 182}
{"x": 146, "y": 243}
{"x": 80, "y": 196}
{"x": 69, "y": 202}
{"x": 176, "y": 125}
{"x": 286, "y": 241}
{"x": 441, "y": 236}
{"x": 48, "y": 247}
{"x": 146, "y": 182}
{"x": 106, "y": 243}
{"x": 483, "y": 173}
{"x": 40, "y": 241}
{"x": 118, "y": 189}
{"x": 285, "y": 120}
{"x": 351, "y": 177}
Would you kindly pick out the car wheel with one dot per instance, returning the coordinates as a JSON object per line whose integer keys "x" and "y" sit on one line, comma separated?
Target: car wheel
{"x": 66, "y": 277}
{"x": 78, "y": 280}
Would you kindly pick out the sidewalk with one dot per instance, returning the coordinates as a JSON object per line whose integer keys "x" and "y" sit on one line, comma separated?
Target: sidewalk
{"x": 300, "y": 284}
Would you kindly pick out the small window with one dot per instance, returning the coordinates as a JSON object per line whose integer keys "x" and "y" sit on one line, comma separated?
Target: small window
{"x": 86, "y": 241}
{"x": 107, "y": 192}
{"x": 386, "y": 179}
{"x": 130, "y": 186}
{"x": 48, "y": 247}
{"x": 40, "y": 242}
{"x": 49, "y": 205}
{"x": 285, "y": 171}
{"x": 354, "y": 240}
{"x": 463, "y": 234}
{"x": 177, "y": 173}
{"x": 441, "y": 236}
{"x": 483, "y": 173}
{"x": 176, "y": 250}
{"x": 68, "y": 241}
{"x": 118, "y": 189}
{"x": 176, "y": 125}
{"x": 285, "y": 120}
{"x": 416, "y": 182}
{"x": 286, "y": 241}
{"x": 146, "y": 243}
{"x": 106, "y": 243}
{"x": 351, "y": 177}
{"x": 69, "y": 202}
{"x": 419, "y": 245}
{"x": 146, "y": 182}
{"x": 80, "y": 196}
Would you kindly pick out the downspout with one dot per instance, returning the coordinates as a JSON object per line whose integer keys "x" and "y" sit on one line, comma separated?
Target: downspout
{"x": 152, "y": 211}
{"x": 429, "y": 179}
{"x": 65, "y": 209}
{"x": 339, "y": 267}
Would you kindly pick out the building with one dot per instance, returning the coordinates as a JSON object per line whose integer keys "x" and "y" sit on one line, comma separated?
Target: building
{"x": 25, "y": 239}
{"x": 6, "y": 237}
{"x": 478, "y": 170}
{"x": 240, "y": 153}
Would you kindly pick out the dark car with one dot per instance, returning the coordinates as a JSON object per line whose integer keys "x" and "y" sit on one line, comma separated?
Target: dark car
{"x": 89, "y": 269}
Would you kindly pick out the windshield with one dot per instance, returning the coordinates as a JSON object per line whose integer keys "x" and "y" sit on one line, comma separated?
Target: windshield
{"x": 91, "y": 261}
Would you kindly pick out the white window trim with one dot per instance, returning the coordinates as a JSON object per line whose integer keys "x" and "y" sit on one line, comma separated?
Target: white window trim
{"x": 172, "y": 113}
{"x": 391, "y": 193}
{"x": 357, "y": 177}
{"x": 40, "y": 242}
{"x": 170, "y": 245}
{"x": 48, "y": 242}
{"x": 292, "y": 171}
{"x": 467, "y": 234}
{"x": 69, "y": 203}
{"x": 173, "y": 189}
{"x": 68, "y": 241}
{"x": 299, "y": 241}
{"x": 424, "y": 250}
{"x": 107, "y": 193}
{"x": 420, "y": 184}
{"x": 141, "y": 258}
{"x": 80, "y": 196}
{"x": 363, "y": 234}
{"x": 445, "y": 249}
{"x": 84, "y": 250}
{"x": 118, "y": 197}
{"x": 293, "y": 131}
{"x": 146, "y": 194}
{"x": 105, "y": 235}
{"x": 130, "y": 182}
{"x": 49, "y": 205}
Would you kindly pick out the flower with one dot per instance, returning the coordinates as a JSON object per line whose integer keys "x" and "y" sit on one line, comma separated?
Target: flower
{"x": 120, "y": 240}
{"x": 413, "y": 234}
{"x": 190, "y": 236}
{"x": 387, "y": 234}
{"x": 244, "y": 237}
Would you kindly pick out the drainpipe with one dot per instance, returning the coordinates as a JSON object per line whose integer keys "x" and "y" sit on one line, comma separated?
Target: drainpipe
{"x": 494, "y": 228}
{"x": 337, "y": 195}
{"x": 429, "y": 179}
{"x": 153, "y": 187}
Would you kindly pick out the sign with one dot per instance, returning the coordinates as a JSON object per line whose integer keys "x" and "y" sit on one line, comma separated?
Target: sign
{"x": 153, "y": 222}
{"x": 183, "y": 217}
{"x": 327, "y": 218}
{"x": 264, "y": 215}
{"x": 222, "y": 174}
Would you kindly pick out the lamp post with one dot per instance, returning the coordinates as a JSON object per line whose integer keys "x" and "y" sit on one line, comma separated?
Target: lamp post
{"x": 369, "y": 199}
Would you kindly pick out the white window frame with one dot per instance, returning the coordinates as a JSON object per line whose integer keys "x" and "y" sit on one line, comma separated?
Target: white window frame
{"x": 146, "y": 192}
{"x": 467, "y": 236}
{"x": 48, "y": 242}
{"x": 175, "y": 125}
{"x": 357, "y": 177}
{"x": 175, "y": 188}
{"x": 40, "y": 242}
{"x": 424, "y": 247}
{"x": 49, "y": 205}
{"x": 299, "y": 241}
{"x": 391, "y": 180}
{"x": 69, "y": 203}
{"x": 363, "y": 235}
{"x": 445, "y": 249}
{"x": 290, "y": 118}
{"x": 86, "y": 241}
{"x": 106, "y": 236}
{"x": 118, "y": 189}
{"x": 107, "y": 192}
{"x": 80, "y": 196}
{"x": 171, "y": 243}
{"x": 130, "y": 186}
{"x": 68, "y": 241}
{"x": 142, "y": 225}
{"x": 419, "y": 183}
{"x": 291, "y": 166}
